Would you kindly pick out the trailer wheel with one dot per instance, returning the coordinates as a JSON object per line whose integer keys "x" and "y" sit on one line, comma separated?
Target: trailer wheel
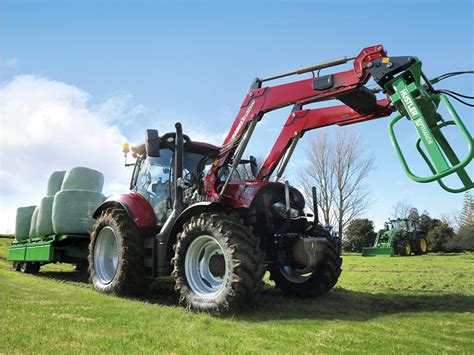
{"x": 315, "y": 282}
{"x": 404, "y": 248}
{"x": 116, "y": 254}
{"x": 217, "y": 264}
{"x": 16, "y": 266}
{"x": 29, "y": 267}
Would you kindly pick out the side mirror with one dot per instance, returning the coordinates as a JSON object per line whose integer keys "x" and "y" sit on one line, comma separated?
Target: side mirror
{"x": 253, "y": 165}
{"x": 152, "y": 143}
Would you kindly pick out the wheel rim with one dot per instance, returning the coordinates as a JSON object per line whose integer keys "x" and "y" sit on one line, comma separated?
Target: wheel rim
{"x": 407, "y": 249}
{"x": 205, "y": 266}
{"x": 423, "y": 245}
{"x": 296, "y": 275}
{"x": 106, "y": 255}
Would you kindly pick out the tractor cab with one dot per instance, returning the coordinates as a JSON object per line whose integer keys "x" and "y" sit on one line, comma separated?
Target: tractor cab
{"x": 402, "y": 224}
{"x": 153, "y": 173}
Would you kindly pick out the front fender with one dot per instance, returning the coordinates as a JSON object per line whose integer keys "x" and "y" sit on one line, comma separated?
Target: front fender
{"x": 197, "y": 208}
{"x": 136, "y": 206}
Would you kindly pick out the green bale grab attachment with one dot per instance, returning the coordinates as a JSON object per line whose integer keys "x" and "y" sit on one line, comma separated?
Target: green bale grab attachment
{"x": 414, "y": 97}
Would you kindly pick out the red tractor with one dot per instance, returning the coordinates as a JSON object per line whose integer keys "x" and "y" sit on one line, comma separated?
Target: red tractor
{"x": 190, "y": 216}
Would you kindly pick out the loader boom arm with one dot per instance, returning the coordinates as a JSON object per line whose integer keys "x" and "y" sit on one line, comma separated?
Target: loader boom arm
{"x": 261, "y": 100}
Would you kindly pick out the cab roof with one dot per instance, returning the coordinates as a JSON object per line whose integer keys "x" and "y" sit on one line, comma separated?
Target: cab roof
{"x": 167, "y": 142}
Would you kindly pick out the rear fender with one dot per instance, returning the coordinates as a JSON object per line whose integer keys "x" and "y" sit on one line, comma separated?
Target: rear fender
{"x": 136, "y": 206}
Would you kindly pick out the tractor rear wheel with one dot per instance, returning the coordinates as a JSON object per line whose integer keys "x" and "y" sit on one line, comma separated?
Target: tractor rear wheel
{"x": 404, "y": 248}
{"x": 217, "y": 264}
{"x": 309, "y": 283}
{"x": 116, "y": 254}
{"x": 29, "y": 267}
{"x": 422, "y": 247}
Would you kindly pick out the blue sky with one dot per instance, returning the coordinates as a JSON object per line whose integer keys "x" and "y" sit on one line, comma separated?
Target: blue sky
{"x": 143, "y": 64}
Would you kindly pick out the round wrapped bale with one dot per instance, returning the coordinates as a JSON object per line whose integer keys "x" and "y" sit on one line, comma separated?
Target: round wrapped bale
{"x": 23, "y": 221}
{"x": 34, "y": 221}
{"x": 81, "y": 178}
{"x": 54, "y": 183}
{"x": 73, "y": 209}
{"x": 44, "y": 223}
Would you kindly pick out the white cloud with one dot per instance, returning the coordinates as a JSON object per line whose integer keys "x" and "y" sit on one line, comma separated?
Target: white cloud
{"x": 48, "y": 125}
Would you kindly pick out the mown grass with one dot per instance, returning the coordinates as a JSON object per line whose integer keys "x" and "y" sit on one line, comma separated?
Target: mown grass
{"x": 420, "y": 304}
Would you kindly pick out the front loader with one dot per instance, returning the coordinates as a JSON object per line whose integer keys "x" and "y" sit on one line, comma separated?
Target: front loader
{"x": 191, "y": 216}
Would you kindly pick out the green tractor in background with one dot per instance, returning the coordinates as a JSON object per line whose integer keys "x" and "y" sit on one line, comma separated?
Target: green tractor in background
{"x": 399, "y": 237}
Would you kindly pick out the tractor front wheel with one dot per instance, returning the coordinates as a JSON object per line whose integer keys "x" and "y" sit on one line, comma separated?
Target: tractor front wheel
{"x": 217, "y": 264}
{"x": 404, "y": 248}
{"x": 314, "y": 282}
{"x": 422, "y": 246}
{"x": 116, "y": 253}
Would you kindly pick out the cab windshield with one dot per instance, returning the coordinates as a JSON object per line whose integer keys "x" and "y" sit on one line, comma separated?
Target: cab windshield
{"x": 154, "y": 180}
{"x": 398, "y": 225}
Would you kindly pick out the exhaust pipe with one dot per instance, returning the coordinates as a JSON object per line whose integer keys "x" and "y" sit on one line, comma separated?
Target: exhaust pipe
{"x": 178, "y": 170}
{"x": 315, "y": 206}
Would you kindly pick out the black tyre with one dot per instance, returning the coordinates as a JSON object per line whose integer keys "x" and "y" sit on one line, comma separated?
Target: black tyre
{"x": 422, "y": 246}
{"x": 30, "y": 267}
{"x": 404, "y": 248}
{"x": 116, "y": 254}
{"x": 313, "y": 282}
{"x": 16, "y": 266}
{"x": 217, "y": 264}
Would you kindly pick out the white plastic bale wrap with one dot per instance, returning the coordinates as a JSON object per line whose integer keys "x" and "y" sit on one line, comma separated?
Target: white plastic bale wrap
{"x": 34, "y": 221}
{"x": 44, "y": 223}
{"x": 23, "y": 221}
{"x": 55, "y": 181}
{"x": 73, "y": 209}
{"x": 81, "y": 178}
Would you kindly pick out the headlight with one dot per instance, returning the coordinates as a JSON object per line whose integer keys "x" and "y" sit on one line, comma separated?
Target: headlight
{"x": 280, "y": 208}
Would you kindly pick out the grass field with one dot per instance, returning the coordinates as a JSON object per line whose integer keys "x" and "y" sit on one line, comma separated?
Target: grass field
{"x": 420, "y": 304}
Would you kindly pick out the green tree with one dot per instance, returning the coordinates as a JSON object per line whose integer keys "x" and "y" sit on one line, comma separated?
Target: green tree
{"x": 466, "y": 216}
{"x": 425, "y": 223}
{"x": 463, "y": 240}
{"x": 359, "y": 233}
{"x": 439, "y": 236}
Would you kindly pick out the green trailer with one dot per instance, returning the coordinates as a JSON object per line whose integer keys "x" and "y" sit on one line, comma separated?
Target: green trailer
{"x": 28, "y": 255}
{"x": 57, "y": 229}
{"x": 399, "y": 237}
